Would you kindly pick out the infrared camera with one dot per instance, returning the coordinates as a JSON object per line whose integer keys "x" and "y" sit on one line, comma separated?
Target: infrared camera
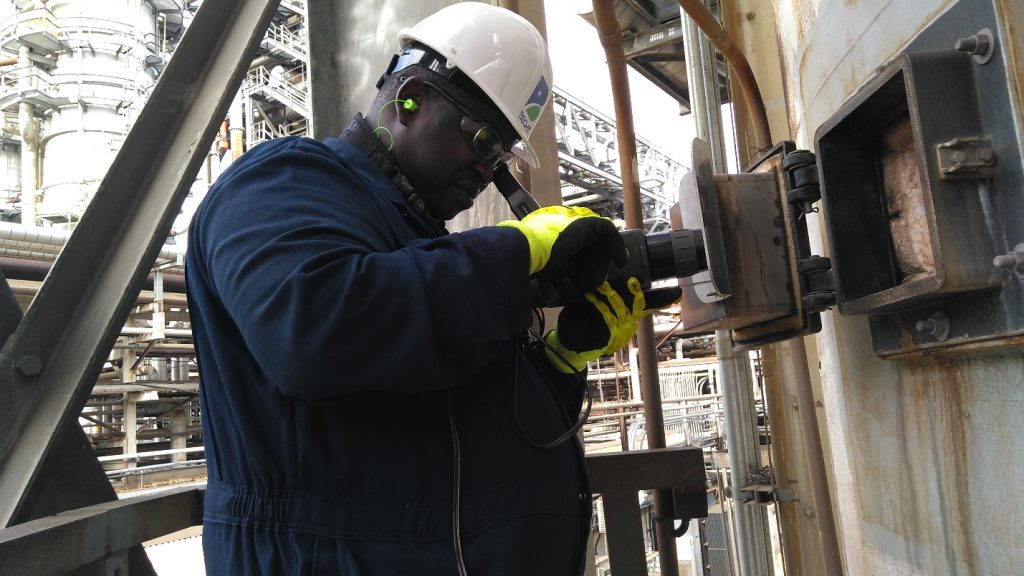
{"x": 651, "y": 257}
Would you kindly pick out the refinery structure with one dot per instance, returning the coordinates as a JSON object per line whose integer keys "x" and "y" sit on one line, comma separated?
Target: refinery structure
{"x": 832, "y": 395}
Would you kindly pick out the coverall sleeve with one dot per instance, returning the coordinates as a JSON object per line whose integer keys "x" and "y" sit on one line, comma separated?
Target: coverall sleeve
{"x": 329, "y": 301}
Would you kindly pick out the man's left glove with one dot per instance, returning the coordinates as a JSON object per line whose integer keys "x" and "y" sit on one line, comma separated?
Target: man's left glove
{"x": 573, "y": 243}
{"x": 601, "y": 323}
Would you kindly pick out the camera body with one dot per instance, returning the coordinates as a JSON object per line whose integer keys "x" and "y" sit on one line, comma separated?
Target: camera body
{"x": 652, "y": 257}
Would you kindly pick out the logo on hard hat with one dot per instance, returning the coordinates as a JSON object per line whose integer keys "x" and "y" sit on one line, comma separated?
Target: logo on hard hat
{"x": 535, "y": 105}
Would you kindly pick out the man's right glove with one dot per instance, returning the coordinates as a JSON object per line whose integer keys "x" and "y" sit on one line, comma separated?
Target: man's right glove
{"x": 571, "y": 242}
{"x": 602, "y": 323}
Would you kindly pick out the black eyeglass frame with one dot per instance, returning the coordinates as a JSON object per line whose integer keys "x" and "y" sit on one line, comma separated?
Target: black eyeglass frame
{"x": 495, "y": 153}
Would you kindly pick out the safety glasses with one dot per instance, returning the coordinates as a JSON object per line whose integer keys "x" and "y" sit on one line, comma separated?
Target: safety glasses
{"x": 484, "y": 138}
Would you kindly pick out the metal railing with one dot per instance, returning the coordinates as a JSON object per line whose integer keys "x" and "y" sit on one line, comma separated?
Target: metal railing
{"x": 105, "y": 532}
{"x": 21, "y": 78}
{"x": 296, "y": 6}
{"x": 587, "y": 152}
{"x": 261, "y": 131}
{"x": 294, "y": 96}
{"x": 102, "y": 532}
{"x": 280, "y": 37}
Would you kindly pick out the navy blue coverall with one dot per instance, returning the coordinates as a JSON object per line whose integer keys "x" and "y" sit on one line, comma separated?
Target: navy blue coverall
{"x": 342, "y": 350}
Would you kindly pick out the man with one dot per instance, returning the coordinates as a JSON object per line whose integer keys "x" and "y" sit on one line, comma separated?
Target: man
{"x": 371, "y": 404}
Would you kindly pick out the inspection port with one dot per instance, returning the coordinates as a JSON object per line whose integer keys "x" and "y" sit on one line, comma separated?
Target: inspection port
{"x": 904, "y": 187}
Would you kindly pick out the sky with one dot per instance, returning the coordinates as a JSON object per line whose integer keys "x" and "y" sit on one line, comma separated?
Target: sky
{"x": 580, "y": 69}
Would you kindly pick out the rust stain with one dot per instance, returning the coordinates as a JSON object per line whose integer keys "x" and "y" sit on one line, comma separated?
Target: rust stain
{"x": 969, "y": 348}
{"x": 924, "y": 456}
{"x": 1011, "y": 15}
{"x": 850, "y": 76}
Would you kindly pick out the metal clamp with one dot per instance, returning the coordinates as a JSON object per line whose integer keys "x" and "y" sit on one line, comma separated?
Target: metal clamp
{"x": 967, "y": 156}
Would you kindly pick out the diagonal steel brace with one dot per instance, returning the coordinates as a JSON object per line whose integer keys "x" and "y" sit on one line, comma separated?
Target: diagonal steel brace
{"x": 49, "y": 364}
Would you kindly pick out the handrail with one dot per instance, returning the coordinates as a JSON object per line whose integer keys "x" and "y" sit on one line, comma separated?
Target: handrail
{"x": 619, "y": 476}
{"x": 259, "y": 78}
{"x": 111, "y": 528}
{"x": 289, "y": 40}
{"x": 97, "y": 532}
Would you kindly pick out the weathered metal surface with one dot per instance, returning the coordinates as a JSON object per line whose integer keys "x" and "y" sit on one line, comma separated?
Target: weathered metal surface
{"x": 919, "y": 445}
{"x": 795, "y": 242}
{"x": 969, "y": 215}
{"x": 753, "y": 243}
{"x": 901, "y": 233}
{"x": 62, "y": 543}
{"x": 620, "y": 476}
{"x": 350, "y": 45}
{"x": 798, "y": 538}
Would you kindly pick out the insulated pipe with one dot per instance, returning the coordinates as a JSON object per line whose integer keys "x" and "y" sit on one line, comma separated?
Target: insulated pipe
{"x": 236, "y": 125}
{"x": 52, "y": 240}
{"x": 21, "y": 269}
{"x": 721, "y": 40}
{"x": 177, "y": 300}
{"x": 611, "y": 39}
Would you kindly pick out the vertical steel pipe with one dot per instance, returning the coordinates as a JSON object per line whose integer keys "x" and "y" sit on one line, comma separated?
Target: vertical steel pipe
{"x": 749, "y": 522}
{"x": 28, "y": 128}
{"x": 744, "y": 455}
{"x": 611, "y": 39}
{"x": 734, "y": 57}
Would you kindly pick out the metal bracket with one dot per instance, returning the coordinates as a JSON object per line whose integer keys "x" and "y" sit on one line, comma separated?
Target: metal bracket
{"x": 816, "y": 272}
{"x": 969, "y": 156}
{"x": 801, "y": 167}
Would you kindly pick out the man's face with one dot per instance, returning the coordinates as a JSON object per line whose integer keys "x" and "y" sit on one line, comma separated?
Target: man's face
{"x": 439, "y": 158}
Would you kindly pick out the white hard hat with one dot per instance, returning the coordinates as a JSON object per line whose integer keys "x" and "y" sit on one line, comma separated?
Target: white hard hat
{"x": 501, "y": 52}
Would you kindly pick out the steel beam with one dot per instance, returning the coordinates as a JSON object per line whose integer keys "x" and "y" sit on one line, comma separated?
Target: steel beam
{"x": 49, "y": 364}
{"x": 654, "y": 38}
{"x": 70, "y": 476}
{"x": 618, "y": 477}
{"x": 84, "y": 537}
{"x": 10, "y": 312}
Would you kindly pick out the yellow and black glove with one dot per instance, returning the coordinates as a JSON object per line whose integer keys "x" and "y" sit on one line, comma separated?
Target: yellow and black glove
{"x": 571, "y": 242}
{"x": 601, "y": 323}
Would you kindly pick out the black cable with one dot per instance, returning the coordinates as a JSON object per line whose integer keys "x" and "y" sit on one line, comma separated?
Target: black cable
{"x": 456, "y": 480}
{"x": 539, "y": 313}
{"x": 515, "y": 394}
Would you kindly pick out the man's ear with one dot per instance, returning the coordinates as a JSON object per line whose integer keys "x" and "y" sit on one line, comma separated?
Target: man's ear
{"x": 410, "y": 96}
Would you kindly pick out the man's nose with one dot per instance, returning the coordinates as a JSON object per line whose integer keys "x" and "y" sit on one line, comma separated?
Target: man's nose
{"x": 486, "y": 172}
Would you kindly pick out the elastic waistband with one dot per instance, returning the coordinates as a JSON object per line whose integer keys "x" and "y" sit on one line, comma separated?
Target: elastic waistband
{"x": 358, "y": 518}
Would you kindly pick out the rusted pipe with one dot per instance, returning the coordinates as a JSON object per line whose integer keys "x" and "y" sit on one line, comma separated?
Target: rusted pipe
{"x": 611, "y": 39}
{"x": 815, "y": 459}
{"x": 734, "y": 57}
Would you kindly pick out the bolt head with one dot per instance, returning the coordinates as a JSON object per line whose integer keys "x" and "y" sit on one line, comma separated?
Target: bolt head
{"x": 29, "y": 365}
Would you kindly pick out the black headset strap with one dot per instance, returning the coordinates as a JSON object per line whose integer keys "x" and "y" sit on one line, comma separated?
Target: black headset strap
{"x": 359, "y": 134}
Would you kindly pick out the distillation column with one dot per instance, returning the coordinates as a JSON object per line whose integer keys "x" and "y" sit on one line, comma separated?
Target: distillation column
{"x": 111, "y": 60}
